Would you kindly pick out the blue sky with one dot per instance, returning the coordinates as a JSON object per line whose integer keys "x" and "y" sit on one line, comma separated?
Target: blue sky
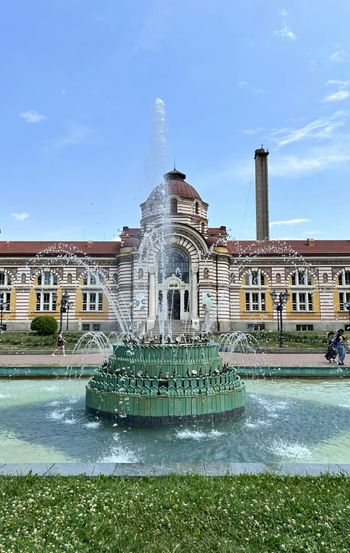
{"x": 79, "y": 82}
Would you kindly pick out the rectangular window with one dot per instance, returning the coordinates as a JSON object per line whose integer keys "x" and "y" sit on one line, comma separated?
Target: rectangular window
{"x": 46, "y": 301}
{"x": 344, "y": 297}
{"x": 96, "y": 326}
{"x": 304, "y": 327}
{"x": 255, "y": 301}
{"x": 2, "y": 279}
{"x": 5, "y": 300}
{"x": 92, "y": 301}
{"x": 302, "y": 301}
{"x": 85, "y": 326}
{"x": 256, "y": 326}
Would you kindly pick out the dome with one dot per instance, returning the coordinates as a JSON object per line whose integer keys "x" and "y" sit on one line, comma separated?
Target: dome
{"x": 178, "y": 187}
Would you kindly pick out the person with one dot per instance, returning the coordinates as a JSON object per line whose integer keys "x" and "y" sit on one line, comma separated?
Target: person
{"x": 339, "y": 344}
{"x": 331, "y": 352}
{"x": 60, "y": 344}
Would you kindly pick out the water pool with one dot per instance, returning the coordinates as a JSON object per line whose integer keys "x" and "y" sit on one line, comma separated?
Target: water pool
{"x": 285, "y": 421}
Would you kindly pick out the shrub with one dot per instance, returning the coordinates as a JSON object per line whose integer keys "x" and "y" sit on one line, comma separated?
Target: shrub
{"x": 44, "y": 326}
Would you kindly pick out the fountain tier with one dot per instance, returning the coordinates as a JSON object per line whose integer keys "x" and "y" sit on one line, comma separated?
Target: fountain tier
{"x": 153, "y": 385}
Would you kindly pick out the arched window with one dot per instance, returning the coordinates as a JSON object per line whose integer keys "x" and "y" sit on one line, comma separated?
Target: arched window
{"x": 255, "y": 278}
{"x": 202, "y": 228}
{"x": 69, "y": 278}
{"x": 278, "y": 278}
{"x": 301, "y": 278}
{"x": 140, "y": 274}
{"x": 325, "y": 278}
{"x": 173, "y": 206}
{"x": 47, "y": 278}
{"x": 206, "y": 274}
{"x": 115, "y": 278}
{"x": 344, "y": 278}
{"x": 173, "y": 262}
{"x": 196, "y": 208}
{"x": 23, "y": 278}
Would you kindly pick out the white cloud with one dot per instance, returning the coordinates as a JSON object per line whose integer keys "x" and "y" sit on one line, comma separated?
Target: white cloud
{"x": 337, "y": 96}
{"x": 252, "y": 131}
{"x": 32, "y": 116}
{"x": 20, "y": 216}
{"x": 75, "y": 135}
{"x": 295, "y": 166}
{"x": 290, "y": 222}
{"x": 320, "y": 128}
{"x": 285, "y": 33}
{"x": 283, "y": 12}
{"x": 338, "y": 56}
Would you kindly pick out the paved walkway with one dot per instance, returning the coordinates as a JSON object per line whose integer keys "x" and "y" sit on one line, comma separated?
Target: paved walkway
{"x": 140, "y": 469}
{"x": 238, "y": 359}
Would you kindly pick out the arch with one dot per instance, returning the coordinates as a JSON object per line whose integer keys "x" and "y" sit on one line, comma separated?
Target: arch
{"x": 6, "y": 278}
{"x": 255, "y": 277}
{"x": 302, "y": 277}
{"x": 94, "y": 276}
{"x": 173, "y": 262}
{"x": 342, "y": 277}
{"x": 46, "y": 277}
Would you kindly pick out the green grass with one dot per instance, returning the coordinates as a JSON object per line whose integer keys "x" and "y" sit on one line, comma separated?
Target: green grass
{"x": 26, "y": 341}
{"x": 248, "y": 513}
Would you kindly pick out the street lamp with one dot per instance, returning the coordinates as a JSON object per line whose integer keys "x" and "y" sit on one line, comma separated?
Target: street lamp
{"x": 68, "y": 307}
{"x": 279, "y": 300}
{"x": 3, "y": 305}
{"x": 347, "y": 306}
{"x": 63, "y": 307}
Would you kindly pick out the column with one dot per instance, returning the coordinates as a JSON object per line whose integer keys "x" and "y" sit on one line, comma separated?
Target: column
{"x": 152, "y": 297}
{"x": 194, "y": 296}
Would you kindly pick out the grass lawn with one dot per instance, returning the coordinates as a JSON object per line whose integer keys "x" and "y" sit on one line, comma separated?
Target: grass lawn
{"x": 174, "y": 514}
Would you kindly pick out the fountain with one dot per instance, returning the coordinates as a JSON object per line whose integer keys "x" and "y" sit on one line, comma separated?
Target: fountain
{"x": 155, "y": 384}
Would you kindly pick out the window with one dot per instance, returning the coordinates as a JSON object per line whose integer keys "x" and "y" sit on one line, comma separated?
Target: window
{"x": 304, "y": 327}
{"x": 344, "y": 297}
{"x": 69, "y": 278}
{"x": 278, "y": 278}
{"x": 115, "y": 278}
{"x": 196, "y": 208}
{"x": 23, "y": 278}
{"x": 301, "y": 278}
{"x": 46, "y": 301}
{"x": 325, "y": 278}
{"x": 85, "y": 326}
{"x": 47, "y": 278}
{"x": 92, "y": 301}
{"x": 93, "y": 278}
{"x": 256, "y": 326}
{"x": 344, "y": 278}
{"x": 206, "y": 274}
{"x": 255, "y": 301}
{"x": 302, "y": 301}
{"x": 173, "y": 206}
{"x": 140, "y": 274}
{"x": 186, "y": 301}
{"x": 202, "y": 228}
{"x": 5, "y": 279}
{"x": 96, "y": 326}
{"x": 174, "y": 262}
{"x": 255, "y": 278}
{"x": 5, "y": 300}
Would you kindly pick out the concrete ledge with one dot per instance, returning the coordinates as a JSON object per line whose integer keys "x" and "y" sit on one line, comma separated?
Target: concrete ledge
{"x": 141, "y": 469}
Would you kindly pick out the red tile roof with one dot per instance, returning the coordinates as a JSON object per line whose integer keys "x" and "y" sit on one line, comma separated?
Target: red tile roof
{"x": 53, "y": 248}
{"x": 308, "y": 247}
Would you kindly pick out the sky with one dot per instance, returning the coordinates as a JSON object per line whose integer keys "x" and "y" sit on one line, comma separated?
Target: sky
{"x": 78, "y": 135}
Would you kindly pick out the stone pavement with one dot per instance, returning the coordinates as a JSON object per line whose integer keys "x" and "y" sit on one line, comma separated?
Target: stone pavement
{"x": 238, "y": 359}
{"x": 140, "y": 469}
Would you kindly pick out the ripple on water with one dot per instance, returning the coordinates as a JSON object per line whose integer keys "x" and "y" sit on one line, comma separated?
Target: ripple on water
{"x": 58, "y": 414}
{"x": 188, "y": 434}
{"x": 290, "y": 451}
{"x": 92, "y": 424}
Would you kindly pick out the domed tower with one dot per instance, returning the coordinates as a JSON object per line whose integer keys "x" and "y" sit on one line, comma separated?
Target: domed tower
{"x": 176, "y": 200}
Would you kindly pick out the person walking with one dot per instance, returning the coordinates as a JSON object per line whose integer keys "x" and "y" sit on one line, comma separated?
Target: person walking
{"x": 60, "y": 344}
{"x": 339, "y": 343}
{"x": 331, "y": 352}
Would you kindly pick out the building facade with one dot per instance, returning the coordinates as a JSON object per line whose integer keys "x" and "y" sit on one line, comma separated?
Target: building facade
{"x": 176, "y": 264}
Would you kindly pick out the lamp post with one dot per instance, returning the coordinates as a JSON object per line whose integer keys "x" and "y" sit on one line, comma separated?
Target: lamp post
{"x": 69, "y": 305}
{"x": 3, "y": 305}
{"x": 347, "y": 306}
{"x": 63, "y": 307}
{"x": 279, "y": 300}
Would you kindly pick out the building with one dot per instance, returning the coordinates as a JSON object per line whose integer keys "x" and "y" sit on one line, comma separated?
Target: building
{"x": 205, "y": 280}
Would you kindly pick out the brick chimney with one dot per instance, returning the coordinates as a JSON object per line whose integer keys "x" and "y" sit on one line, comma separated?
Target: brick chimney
{"x": 261, "y": 194}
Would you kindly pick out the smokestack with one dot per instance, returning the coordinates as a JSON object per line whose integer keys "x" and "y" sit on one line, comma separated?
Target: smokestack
{"x": 261, "y": 194}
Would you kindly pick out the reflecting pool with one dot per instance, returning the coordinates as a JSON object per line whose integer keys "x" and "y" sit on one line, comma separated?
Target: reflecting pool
{"x": 285, "y": 421}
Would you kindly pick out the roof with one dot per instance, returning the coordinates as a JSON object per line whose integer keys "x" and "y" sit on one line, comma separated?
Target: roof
{"x": 10, "y": 248}
{"x": 179, "y": 187}
{"x": 308, "y": 247}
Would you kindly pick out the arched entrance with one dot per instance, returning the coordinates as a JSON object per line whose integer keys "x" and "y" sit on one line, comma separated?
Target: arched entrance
{"x": 174, "y": 284}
